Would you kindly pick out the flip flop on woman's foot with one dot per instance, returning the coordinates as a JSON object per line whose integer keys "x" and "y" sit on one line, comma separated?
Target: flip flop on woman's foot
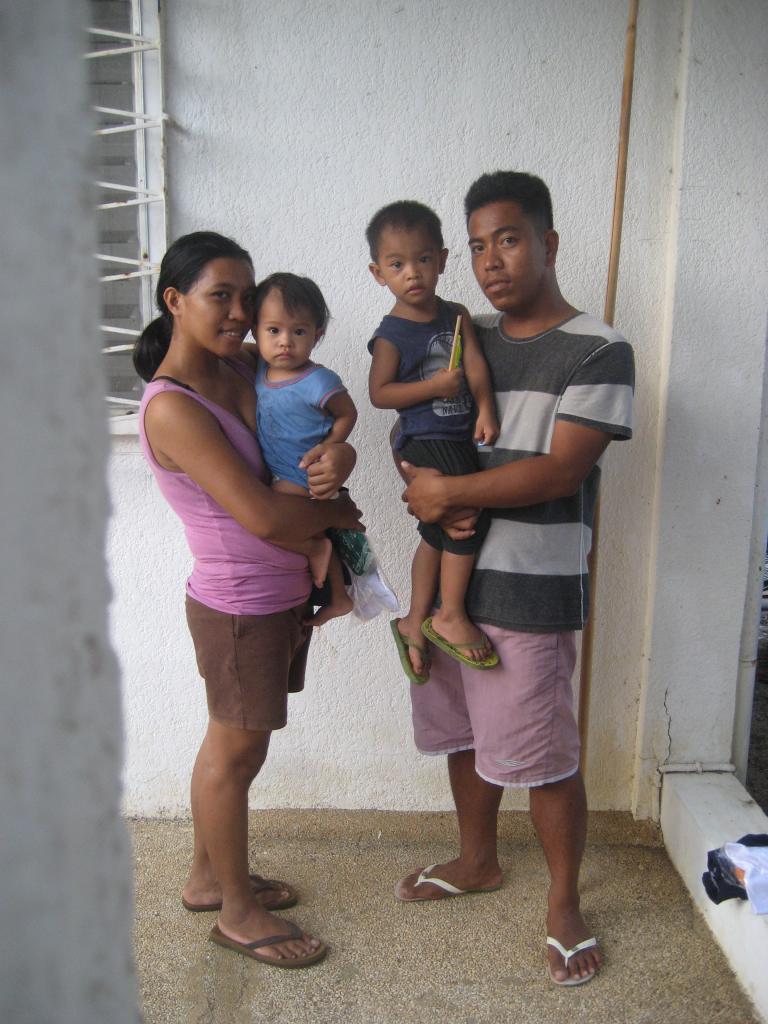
{"x": 403, "y": 642}
{"x": 251, "y": 949}
{"x": 273, "y": 895}
{"x": 454, "y": 650}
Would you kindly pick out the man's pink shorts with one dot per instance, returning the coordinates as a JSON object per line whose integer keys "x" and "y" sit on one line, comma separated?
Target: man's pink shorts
{"x": 517, "y": 717}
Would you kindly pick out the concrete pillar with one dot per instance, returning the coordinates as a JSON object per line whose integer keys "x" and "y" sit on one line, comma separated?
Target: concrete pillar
{"x": 65, "y": 891}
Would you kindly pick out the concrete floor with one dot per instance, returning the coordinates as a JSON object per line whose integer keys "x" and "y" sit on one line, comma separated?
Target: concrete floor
{"x": 470, "y": 960}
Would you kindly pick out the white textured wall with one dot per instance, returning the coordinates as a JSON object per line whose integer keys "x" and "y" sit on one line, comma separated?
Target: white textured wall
{"x": 713, "y": 357}
{"x": 65, "y": 892}
{"x": 292, "y": 124}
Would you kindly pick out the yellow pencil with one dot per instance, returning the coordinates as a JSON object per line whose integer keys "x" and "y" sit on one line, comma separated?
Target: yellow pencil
{"x": 455, "y": 358}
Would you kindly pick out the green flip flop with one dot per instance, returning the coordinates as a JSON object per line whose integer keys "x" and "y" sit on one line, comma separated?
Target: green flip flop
{"x": 403, "y": 643}
{"x": 454, "y": 650}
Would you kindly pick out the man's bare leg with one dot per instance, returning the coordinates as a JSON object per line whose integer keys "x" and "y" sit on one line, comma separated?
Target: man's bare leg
{"x": 477, "y": 809}
{"x": 559, "y": 814}
{"x": 424, "y": 575}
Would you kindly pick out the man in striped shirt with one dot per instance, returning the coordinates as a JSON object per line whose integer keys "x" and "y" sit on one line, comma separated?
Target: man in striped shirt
{"x": 563, "y": 383}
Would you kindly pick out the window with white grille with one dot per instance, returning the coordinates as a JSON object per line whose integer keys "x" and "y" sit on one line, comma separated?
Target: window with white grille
{"x": 124, "y": 55}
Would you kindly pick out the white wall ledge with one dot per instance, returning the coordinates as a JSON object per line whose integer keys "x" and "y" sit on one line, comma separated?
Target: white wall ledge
{"x": 699, "y": 813}
{"x": 125, "y": 425}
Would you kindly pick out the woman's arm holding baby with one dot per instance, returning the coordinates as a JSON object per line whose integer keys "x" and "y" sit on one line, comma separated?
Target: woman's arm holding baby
{"x": 187, "y": 438}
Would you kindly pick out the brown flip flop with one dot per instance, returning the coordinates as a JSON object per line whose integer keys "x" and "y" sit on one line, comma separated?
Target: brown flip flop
{"x": 258, "y": 884}
{"x": 250, "y": 948}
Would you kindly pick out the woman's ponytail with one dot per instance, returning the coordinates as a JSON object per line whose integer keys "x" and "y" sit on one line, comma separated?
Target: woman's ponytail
{"x": 152, "y": 345}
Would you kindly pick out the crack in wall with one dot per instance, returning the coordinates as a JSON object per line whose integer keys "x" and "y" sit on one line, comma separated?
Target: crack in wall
{"x": 668, "y": 716}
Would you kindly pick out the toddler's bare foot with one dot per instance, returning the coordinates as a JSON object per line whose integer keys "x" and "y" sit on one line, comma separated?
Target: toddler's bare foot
{"x": 410, "y": 629}
{"x": 457, "y": 628}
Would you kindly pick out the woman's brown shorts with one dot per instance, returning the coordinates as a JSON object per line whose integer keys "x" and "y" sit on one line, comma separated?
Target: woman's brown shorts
{"x": 250, "y": 663}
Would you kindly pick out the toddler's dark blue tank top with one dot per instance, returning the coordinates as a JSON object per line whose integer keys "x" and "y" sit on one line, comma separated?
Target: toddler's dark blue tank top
{"x": 424, "y": 349}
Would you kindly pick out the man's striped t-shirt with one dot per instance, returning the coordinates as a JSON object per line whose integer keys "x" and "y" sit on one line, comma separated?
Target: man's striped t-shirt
{"x": 531, "y": 574}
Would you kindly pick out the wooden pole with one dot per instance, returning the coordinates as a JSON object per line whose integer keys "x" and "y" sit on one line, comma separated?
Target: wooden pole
{"x": 585, "y": 677}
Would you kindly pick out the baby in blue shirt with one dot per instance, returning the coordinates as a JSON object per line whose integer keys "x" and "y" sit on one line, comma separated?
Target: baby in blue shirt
{"x": 301, "y": 405}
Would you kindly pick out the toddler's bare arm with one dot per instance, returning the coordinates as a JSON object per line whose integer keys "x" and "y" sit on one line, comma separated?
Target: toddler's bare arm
{"x": 479, "y": 381}
{"x": 344, "y": 413}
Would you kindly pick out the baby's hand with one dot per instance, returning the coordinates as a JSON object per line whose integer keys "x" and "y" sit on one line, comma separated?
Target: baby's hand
{"x": 328, "y": 465}
{"x": 460, "y": 524}
{"x": 448, "y": 383}
{"x": 486, "y": 428}
{"x": 314, "y": 455}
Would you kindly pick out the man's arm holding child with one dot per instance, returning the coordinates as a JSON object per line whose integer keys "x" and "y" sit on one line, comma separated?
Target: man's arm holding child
{"x": 386, "y": 392}
{"x": 574, "y": 450}
{"x": 479, "y": 382}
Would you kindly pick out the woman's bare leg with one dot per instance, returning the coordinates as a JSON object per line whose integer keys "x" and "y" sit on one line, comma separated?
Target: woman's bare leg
{"x": 202, "y": 887}
{"x": 228, "y": 761}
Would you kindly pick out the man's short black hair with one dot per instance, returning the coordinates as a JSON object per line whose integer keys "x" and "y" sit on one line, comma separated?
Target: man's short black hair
{"x": 528, "y": 191}
{"x": 405, "y": 214}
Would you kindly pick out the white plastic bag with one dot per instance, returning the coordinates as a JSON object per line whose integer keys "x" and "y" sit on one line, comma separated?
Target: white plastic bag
{"x": 371, "y": 594}
{"x": 369, "y": 590}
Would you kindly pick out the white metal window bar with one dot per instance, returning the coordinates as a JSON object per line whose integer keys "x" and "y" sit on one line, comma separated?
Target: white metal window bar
{"x": 146, "y": 194}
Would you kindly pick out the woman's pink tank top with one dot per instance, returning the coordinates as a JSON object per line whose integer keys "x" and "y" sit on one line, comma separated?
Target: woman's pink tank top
{"x": 234, "y": 571}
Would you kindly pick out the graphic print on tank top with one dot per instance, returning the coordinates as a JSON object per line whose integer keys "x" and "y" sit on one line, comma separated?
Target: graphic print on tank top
{"x": 437, "y": 358}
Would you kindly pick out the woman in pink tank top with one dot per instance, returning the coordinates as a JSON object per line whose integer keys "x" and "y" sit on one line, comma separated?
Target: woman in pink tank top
{"x": 247, "y": 594}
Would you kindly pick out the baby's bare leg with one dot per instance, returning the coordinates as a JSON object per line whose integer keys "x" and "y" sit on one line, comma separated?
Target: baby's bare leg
{"x": 318, "y": 549}
{"x": 323, "y": 562}
{"x": 341, "y": 602}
